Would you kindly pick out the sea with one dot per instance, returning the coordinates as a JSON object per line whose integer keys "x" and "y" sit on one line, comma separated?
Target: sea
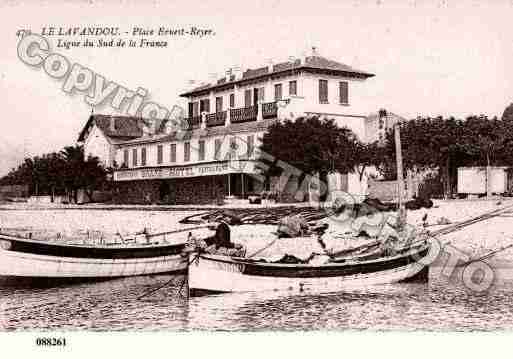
{"x": 160, "y": 302}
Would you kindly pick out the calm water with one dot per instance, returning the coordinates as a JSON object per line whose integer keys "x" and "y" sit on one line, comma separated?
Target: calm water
{"x": 113, "y": 305}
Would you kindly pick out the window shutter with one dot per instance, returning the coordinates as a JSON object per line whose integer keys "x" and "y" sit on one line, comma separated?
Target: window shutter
{"x": 201, "y": 145}
{"x": 186, "y": 151}
{"x": 250, "y": 145}
{"x": 143, "y": 156}
{"x": 173, "y": 153}
{"x": 247, "y": 98}
{"x": 293, "y": 88}
{"x": 219, "y": 104}
{"x": 323, "y": 91}
{"x": 159, "y": 154}
{"x": 217, "y": 151}
{"x": 277, "y": 92}
{"x": 125, "y": 158}
{"x": 344, "y": 92}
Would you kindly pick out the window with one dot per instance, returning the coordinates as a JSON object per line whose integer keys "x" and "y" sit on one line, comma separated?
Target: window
{"x": 134, "y": 157}
{"x": 219, "y": 104}
{"x": 247, "y": 98}
{"x": 143, "y": 156}
{"x": 292, "y": 87}
{"x": 323, "y": 91}
{"x": 204, "y": 105}
{"x": 261, "y": 94}
{"x": 217, "y": 150}
{"x": 343, "y": 92}
{"x": 125, "y": 158}
{"x": 232, "y": 100}
{"x": 159, "y": 154}
{"x": 172, "y": 157}
{"x": 193, "y": 109}
{"x": 186, "y": 151}
{"x": 250, "y": 143}
{"x": 277, "y": 92}
{"x": 201, "y": 150}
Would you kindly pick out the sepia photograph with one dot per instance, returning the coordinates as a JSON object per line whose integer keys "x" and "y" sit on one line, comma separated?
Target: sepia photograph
{"x": 256, "y": 167}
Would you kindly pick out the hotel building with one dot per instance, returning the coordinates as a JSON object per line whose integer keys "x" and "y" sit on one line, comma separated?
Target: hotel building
{"x": 216, "y": 156}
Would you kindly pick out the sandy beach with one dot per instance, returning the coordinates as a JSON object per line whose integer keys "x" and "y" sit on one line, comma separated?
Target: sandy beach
{"x": 474, "y": 240}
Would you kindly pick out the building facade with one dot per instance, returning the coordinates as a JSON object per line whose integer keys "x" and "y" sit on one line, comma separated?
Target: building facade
{"x": 214, "y": 156}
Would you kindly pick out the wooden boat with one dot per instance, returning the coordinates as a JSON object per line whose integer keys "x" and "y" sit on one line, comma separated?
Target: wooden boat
{"x": 209, "y": 274}
{"x": 161, "y": 253}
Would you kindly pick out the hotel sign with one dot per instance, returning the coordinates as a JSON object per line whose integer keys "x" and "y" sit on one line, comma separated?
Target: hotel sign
{"x": 210, "y": 169}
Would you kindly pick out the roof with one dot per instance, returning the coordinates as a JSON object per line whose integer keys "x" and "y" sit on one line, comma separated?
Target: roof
{"x": 125, "y": 127}
{"x": 311, "y": 63}
{"x": 234, "y": 128}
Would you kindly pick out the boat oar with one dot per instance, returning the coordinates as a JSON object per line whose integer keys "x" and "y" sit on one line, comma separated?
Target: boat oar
{"x": 486, "y": 256}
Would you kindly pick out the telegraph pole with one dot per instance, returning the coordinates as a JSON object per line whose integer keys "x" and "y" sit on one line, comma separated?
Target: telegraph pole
{"x": 400, "y": 180}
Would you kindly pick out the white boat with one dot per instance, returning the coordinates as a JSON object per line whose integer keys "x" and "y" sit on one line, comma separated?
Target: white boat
{"x": 209, "y": 274}
{"x": 22, "y": 257}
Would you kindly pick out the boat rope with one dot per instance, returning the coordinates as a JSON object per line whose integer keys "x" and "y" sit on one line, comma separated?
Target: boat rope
{"x": 262, "y": 249}
{"x": 150, "y": 292}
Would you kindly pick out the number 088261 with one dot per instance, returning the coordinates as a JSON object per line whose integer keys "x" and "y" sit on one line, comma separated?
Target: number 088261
{"x": 51, "y": 342}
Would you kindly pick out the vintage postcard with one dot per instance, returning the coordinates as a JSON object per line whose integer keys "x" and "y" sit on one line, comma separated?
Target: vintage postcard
{"x": 262, "y": 167}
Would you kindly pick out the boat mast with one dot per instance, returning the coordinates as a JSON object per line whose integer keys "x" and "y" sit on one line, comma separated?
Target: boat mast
{"x": 400, "y": 178}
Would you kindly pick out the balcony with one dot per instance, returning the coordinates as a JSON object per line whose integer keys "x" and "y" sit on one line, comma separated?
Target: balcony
{"x": 237, "y": 115}
{"x": 216, "y": 119}
{"x": 269, "y": 110}
{"x": 194, "y": 122}
{"x": 245, "y": 114}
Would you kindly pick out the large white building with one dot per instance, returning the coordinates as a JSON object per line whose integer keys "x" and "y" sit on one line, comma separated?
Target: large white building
{"x": 215, "y": 157}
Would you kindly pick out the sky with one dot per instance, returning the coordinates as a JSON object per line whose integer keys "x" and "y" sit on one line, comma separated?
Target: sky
{"x": 430, "y": 57}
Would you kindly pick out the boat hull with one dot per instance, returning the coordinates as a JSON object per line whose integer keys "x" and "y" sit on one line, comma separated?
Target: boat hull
{"x": 33, "y": 259}
{"x": 217, "y": 274}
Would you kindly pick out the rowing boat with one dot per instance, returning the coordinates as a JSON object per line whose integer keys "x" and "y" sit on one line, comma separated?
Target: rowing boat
{"x": 22, "y": 257}
{"x": 210, "y": 274}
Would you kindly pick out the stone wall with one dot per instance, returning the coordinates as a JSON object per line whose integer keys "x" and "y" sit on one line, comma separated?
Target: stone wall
{"x": 387, "y": 190}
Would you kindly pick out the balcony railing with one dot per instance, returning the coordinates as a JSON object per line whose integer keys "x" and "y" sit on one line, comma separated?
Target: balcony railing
{"x": 216, "y": 119}
{"x": 194, "y": 122}
{"x": 237, "y": 115}
{"x": 244, "y": 114}
{"x": 269, "y": 110}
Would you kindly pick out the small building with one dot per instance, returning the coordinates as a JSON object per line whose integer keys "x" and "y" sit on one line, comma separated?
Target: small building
{"x": 474, "y": 181}
{"x": 102, "y": 133}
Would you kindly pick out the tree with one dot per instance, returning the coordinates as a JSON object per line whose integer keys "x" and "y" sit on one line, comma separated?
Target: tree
{"x": 427, "y": 143}
{"x": 312, "y": 145}
{"x": 446, "y": 144}
{"x": 58, "y": 173}
{"x": 508, "y": 114}
{"x": 367, "y": 155}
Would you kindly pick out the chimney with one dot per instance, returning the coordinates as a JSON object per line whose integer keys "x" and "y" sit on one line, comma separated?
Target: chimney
{"x": 228, "y": 73}
{"x": 302, "y": 59}
{"x": 238, "y": 71}
{"x": 270, "y": 66}
{"x": 314, "y": 51}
